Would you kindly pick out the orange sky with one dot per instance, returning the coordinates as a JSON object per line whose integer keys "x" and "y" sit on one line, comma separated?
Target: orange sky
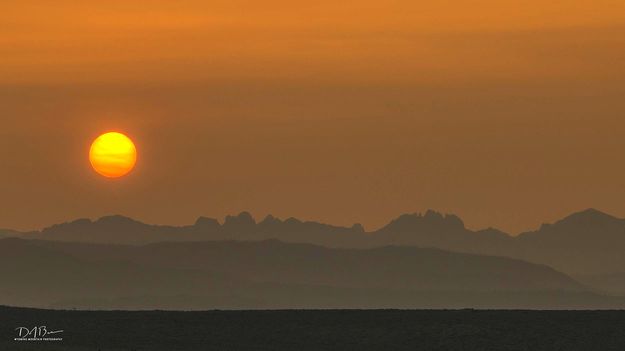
{"x": 507, "y": 113}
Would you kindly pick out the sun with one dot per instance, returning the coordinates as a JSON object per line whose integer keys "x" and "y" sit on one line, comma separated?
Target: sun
{"x": 113, "y": 155}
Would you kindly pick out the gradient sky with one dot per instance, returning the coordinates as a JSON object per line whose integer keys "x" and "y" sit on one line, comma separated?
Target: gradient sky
{"x": 506, "y": 113}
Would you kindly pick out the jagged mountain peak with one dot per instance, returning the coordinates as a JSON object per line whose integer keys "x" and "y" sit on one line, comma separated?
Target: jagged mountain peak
{"x": 206, "y": 222}
{"x": 412, "y": 221}
{"x": 243, "y": 218}
{"x": 270, "y": 220}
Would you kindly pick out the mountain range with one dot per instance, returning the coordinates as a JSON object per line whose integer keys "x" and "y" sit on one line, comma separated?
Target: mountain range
{"x": 586, "y": 243}
{"x": 416, "y": 260}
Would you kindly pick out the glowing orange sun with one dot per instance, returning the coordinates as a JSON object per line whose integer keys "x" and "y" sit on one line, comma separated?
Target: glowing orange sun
{"x": 113, "y": 155}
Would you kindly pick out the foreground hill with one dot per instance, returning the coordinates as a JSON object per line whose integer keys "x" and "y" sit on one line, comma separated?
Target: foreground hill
{"x": 586, "y": 243}
{"x": 272, "y": 274}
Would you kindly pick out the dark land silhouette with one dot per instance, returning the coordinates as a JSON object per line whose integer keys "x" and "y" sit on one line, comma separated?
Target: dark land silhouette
{"x": 415, "y": 261}
{"x": 420, "y": 282}
{"x": 320, "y": 330}
{"x": 272, "y": 274}
{"x": 587, "y": 245}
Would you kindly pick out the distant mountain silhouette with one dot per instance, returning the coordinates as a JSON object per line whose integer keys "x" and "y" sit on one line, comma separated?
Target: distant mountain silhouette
{"x": 122, "y": 230}
{"x": 273, "y": 274}
{"x": 589, "y": 242}
{"x": 586, "y": 242}
{"x": 442, "y": 231}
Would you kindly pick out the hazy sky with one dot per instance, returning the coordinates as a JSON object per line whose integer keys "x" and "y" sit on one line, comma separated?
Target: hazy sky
{"x": 506, "y": 113}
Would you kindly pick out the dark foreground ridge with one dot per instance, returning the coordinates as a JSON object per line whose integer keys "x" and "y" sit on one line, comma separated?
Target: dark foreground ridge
{"x": 276, "y": 275}
{"x": 320, "y": 330}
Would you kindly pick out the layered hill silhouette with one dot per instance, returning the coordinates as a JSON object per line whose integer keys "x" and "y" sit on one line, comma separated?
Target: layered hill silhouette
{"x": 4, "y": 233}
{"x": 274, "y": 274}
{"x": 123, "y": 230}
{"x": 587, "y": 243}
